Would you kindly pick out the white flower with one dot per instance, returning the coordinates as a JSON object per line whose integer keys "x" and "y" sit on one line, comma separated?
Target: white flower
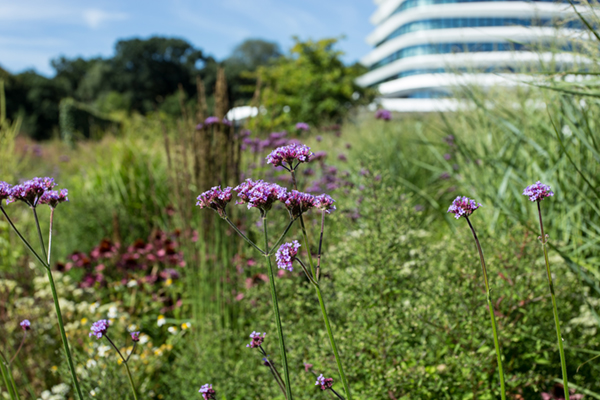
{"x": 91, "y": 363}
{"x": 172, "y": 330}
{"x": 132, "y": 328}
{"x": 102, "y": 349}
{"x": 161, "y": 320}
{"x": 46, "y": 394}
{"x": 132, "y": 283}
{"x": 94, "y": 307}
{"x": 144, "y": 338}
{"x": 112, "y": 312}
{"x": 61, "y": 388}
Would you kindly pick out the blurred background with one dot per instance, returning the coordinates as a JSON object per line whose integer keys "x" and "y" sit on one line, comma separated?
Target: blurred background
{"x": 115, "y": 101}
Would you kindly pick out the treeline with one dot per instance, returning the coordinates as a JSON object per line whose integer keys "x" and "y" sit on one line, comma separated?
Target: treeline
{"x": 143, "y": 76}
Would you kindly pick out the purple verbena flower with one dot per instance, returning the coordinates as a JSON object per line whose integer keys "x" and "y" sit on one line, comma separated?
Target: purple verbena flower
{"x": 199, "y": 127}
{"x": 289, "y": 154}
{"x": 208, "y": 392}
{"x": 538, "y": 191}
{"x": 463, "y": 207}
{"x": 325, "y": 383}
{"x": 216, "y": 199}
{"x": 31, "y": 191}
{"x": 211, "y": 120}
{"x": 54, "y": 197}
{"x": 257, "y": 339}
{"x": 135, "y": 336}
{"x": 324, "y": 202}
{"x": 99, "y": 328}
{"x": 297, "y": 202}
{"x": 227, "y": 122}
{"x": 5, "y": 190}
{"x": 319, "y": 156}
{"x": 383, "y": 114}
{"x": 258, "y": 194}
{"x": 286, "y": 254}
{"x": 302, "y": 126}
{"x": 25, "y": 324}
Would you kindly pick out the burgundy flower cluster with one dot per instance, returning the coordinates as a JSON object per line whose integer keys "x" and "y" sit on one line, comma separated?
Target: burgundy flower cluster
{"x": 538, "y": 191}
{"x": 383, "y": 114}
{"x": 216, "y": 199}
{"x": 155, "y": 259}
{"x": 286, "y": 254}
{"x": 290, "y": 154}
{"x": 463, "y": 207}
{"x": 208, "y": 393}
{"x": 325, "y": 383}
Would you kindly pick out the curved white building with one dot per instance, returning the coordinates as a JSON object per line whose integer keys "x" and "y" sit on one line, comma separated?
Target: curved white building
{"x": 419, "y": 45}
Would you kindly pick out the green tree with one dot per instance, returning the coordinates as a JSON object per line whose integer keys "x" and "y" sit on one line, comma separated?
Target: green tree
{"x": 311, "y": 85}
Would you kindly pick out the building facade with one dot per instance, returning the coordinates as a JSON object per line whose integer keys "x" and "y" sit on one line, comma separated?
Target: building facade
{"x": 423, "y": 48}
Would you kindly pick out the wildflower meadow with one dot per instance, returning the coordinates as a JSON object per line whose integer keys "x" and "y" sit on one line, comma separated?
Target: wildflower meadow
{"x": 357, "y": 253}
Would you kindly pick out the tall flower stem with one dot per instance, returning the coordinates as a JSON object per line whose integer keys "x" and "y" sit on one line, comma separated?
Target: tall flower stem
{"x": 61, "y": 326}
{"x": 315, "y": 275}
{"x": 286, "y": 373}
{"x": 25, "y": 242}
{"x": 235, "y": 228}
{"x": 126, "y": 366}
{"x": 563, "y": 361}
{"x": 491, "y": 310}
{"x": 274, "y": 371}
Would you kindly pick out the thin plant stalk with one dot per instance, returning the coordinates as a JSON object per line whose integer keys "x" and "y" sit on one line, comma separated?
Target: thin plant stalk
{"x": 5, "y": 378}
{"x": 320, "y": 296}
{"x": 126, "y": 366}
{"x": 286, "y": 373}
{"x": 25, "y": 242}
{"x": 245, "y": 237}
{"x": 491, "y": 310}
{"x": 61, "y": 326}
{"x": 19, "y": 349}
{"x": 563, "y": 361}
{"x": 273, "y": 370}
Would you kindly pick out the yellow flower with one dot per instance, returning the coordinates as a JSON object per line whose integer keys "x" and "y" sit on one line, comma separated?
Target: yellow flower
{"x": 169, "y": 282}
{"x": 54, "y": 368}
{"x": 83, "y": 321}
{"x": 186, "y": 325}
{"x": 161, "y": 320}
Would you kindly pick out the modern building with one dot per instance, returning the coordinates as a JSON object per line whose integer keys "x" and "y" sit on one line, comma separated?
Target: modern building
{"x": 424, "y": 48}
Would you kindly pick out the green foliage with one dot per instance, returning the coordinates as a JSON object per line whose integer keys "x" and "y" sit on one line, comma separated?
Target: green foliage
{"x": 313, "y": 82}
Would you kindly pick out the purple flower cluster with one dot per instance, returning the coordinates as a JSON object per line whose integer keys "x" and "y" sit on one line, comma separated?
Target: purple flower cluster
{"x": 286, "y": 254}
{"x": 54, "y": 197}
{"x": 216, "y": 199}
{"x": 538, "y": 191}
{"x": 297, "y": 202}
{"x": 463, "y": 207}
{"x": 383, "y": 114}
{"x": 258, "y": 194}
{"x": 302, "y": 126}
{"x": 257, "y": 339}
{"x": 324, "y": 202}
{"x": 135, "y": 336}
{"x": 30, "y": 191}
{"x": 25, "y": 324}
{"x": 99, "y": 328}
{"x": 289, "y": 154}
{"x": 208, "y": 392}
{"x": 325, "y": 383}
{"x": 4, "y": 191}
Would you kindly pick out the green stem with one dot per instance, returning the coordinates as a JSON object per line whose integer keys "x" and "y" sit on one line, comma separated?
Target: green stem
{"x": 19, "y": 349}
{"x": 131, "y": 381}
{"x": 286, "y": 373}
{"x": 5, "y": 378}
{"x": 63, "y": 335}
{"x": 274, "y": 247}
{"x": 25, "y": 242}
{"x": 61, "y": 326}
{"x": 14, "y": 385}
{"x": 244, "y": 236}
{"x": 563, "y": 361}
{"x": 39, "y": 231}
{"x": 491, "y": 310}
{"x": 325, "y": 317}
{"x": 126, "y": 366}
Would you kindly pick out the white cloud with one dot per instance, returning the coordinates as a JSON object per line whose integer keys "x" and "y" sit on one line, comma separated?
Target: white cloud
{"x": 94, "y": 17}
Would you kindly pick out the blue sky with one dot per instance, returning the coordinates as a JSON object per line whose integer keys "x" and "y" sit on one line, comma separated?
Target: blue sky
{"x": 32, "y": 32}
